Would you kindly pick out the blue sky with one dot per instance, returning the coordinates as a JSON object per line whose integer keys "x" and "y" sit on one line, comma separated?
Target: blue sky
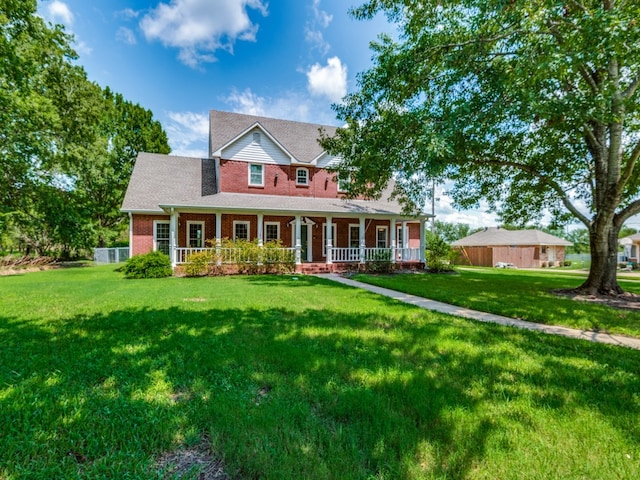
{"x": 288, "y": 59}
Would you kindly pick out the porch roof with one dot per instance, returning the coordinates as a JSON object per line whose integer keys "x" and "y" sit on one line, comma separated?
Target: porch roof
{"x": 279, "y": 204}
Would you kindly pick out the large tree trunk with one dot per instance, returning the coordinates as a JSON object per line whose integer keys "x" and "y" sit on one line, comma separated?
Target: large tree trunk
{"x": 604, "y": 262}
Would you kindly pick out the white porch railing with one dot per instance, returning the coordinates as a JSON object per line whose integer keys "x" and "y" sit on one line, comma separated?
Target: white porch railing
{"x": 340, "y": 254}
{"x": 232, "y": 255}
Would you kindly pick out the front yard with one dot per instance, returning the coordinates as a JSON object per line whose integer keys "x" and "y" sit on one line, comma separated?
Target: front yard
{"x": 290, "y": 377}
{"x": 524, "y": 294}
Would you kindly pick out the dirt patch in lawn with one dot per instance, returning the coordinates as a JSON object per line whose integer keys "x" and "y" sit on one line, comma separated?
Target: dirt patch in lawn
{"x": 193, "y": 462}
{"x": 625, "y": 301}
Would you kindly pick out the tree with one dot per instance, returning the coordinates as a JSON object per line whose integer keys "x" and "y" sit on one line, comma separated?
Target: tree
{"x": 67, "y": 146}
{"x": 531, "y": 105}
{"x": 123, "y": 130}
{"x": 450, "y": 232}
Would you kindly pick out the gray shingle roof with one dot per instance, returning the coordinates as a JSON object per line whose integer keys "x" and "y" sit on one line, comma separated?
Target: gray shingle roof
{"x": 495, "y": 236}
{"x": 158, "y": 178}
{"x": 167, "y": 181}
{"x": 298, "y": 138}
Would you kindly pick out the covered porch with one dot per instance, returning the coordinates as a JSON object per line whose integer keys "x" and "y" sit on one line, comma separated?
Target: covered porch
{"x": 316, "y": 242}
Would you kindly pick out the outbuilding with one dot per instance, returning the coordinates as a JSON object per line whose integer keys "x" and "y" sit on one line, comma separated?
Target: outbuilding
{"x": 520, "y": 248}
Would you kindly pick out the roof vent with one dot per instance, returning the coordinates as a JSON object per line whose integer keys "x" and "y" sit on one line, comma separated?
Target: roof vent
{"x": 256, "y": 137}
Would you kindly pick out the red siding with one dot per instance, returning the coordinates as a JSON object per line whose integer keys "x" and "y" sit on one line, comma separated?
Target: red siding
{"x": 143, "y": 232}
{"x": 278, "y": 180}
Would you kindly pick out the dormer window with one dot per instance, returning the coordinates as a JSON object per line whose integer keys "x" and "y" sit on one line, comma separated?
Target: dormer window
{"x": 302, "y": 176}
{"x": 256, "y": 138}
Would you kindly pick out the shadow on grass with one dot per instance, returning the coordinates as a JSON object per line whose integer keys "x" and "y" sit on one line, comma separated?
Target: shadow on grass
{"x": 286, "y": 394}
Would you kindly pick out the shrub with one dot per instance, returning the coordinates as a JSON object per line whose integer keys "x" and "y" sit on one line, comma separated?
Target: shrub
{"x": 379, "y": 262}
{"x": 567, "y": 263}
{"x": 148, "y": 265}
{"x": 202, "y": 263}
{"x": 439, "y": 255}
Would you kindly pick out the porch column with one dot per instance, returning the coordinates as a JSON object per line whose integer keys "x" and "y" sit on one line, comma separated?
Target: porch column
{"x": 362, "y": 240}
{"x": 218, "y": 237}
{"x": 423, "y": 243}
{"x": 130, "y": 235}
{"x": 393, "y": 234}
{"x": 329, "y": 241}
{"x": 260, "y": 229}
{"x": 405, "y": 241}
{"x": 298, "y": 241}
{"x": 173, "y": 237}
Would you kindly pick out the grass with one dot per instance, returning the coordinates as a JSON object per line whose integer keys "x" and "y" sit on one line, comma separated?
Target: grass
{"x": 518, "y": 294}
{"x": 296, "y": 377}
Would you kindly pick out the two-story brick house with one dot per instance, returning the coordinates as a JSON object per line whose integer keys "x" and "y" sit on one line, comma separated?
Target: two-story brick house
{"x": 265, "y": 179}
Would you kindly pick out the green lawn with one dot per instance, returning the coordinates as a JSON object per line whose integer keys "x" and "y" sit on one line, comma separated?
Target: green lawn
{"x": 518, "y": 294}
{"x": 296, "y": 377}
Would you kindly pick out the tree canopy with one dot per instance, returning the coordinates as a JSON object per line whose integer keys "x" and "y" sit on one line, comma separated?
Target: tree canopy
{"x": 530, "y": 105}
{"x": 67, "y": 146}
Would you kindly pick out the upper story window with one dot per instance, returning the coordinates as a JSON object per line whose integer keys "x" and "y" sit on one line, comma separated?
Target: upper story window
{"x": 256, "y": 137}
{"x": 256, "y": 174}
{"x": 344, "y": 180}
{"x": 302, "y": 176}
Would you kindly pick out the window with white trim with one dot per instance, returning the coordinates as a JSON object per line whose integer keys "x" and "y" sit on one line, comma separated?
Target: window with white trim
{"x": 354, "y": 236}
{"x": 271, "y": 231}
{"x": 195, "y": 234}
{"x": 240, "y": 230}
{"x": 161, "y": 236}
{"x": 381, "y": 236}
{"x": 324, "y": 237}
{"x": 344, "y": 180}
{"x": 256, "y": 174}
{"x": 302, "y": 176}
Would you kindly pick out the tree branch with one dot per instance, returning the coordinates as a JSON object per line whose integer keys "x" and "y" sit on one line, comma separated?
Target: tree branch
{"x": 631, "y": 89}
{"x": 628, "y": 170}
{"x": 555, "y": 186}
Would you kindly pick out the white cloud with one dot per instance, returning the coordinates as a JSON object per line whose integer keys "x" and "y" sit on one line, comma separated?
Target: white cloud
{"x": 312, "y": 29}
{"x": 60, "y": 12}
{"x": 128, "y": 13}
{"x": 289, "y": 106}
{"x": 188, "y": 133}
{"x": 200, "y": 27}
{"x": 329, "y": 81}
{"x": 126, "y": 35}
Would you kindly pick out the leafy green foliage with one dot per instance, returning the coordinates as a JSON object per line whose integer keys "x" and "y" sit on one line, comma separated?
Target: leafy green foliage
{"x": 148, "y": 265}
{"x": 379, "y": 262}
{"x": 439, "y": 254}
{"x": 530, "y": 105}
{"x": 65, "y": 141}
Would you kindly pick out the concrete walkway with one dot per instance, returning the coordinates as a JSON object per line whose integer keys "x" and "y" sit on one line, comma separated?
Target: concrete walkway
{"x": 487, "y": 317}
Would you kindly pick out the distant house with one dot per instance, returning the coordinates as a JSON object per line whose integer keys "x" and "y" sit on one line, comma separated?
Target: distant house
{"x": 265, "y": 179}
{"x": 631, "y": 245}
{"x": 522, "y": 248}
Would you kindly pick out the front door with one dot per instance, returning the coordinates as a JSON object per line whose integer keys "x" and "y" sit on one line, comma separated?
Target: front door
{"x": 304, "y": 240}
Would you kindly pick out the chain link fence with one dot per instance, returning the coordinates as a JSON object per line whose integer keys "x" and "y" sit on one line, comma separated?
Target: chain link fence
{"x": 110, "y": 255}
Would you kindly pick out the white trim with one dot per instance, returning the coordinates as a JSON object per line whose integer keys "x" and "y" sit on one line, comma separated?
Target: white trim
{"x": 218, "y": 152}
{"x": 266, "y": 224}
{"x": 306, "y": 170}
{"x": 334, "y": 231}
{"x": 155, "y": 233}
{"x": 188, "y": 235}
{"x": 261, "y": 165}
{"x": 242, "y": 222}
{"x": 379, "y": 228}
{"x": 338, "y": 180}
{"x": 357, "y": 244}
